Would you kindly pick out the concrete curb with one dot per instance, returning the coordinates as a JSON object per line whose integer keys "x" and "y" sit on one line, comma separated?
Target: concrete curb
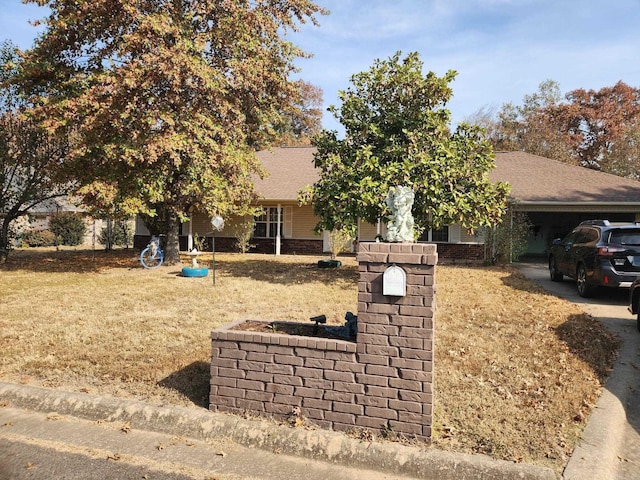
{"x": 321, "y": 445}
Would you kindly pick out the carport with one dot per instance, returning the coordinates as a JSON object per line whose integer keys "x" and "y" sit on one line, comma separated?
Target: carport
{"x": 557, "y": 196}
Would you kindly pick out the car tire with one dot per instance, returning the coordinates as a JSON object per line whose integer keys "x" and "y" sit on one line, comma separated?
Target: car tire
{"x": 555, "y": 275}
{"x": 639, "y": 321}
{"x": 584, "y": 289}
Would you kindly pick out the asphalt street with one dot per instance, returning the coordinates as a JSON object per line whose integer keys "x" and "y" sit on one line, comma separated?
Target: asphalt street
{"x": 50, "y": 446}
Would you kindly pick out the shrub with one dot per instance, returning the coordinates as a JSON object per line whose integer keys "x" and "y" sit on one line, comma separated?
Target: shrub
{"x": 243, "y": 233}
{"x": 339, "y": 241}
{"x": 38, "y": 238}
{"x": 507, "y": 241}
{"x": 69, "y": 226}
{"x": 200, "y": 243}
{"x": 121, "y": 234}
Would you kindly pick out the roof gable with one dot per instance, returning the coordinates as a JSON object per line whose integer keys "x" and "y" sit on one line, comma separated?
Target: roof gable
{"x": 290, "y": 169}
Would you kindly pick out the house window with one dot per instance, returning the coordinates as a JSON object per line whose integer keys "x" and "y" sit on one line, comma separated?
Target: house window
{"x": 267, "y": 224}
{"x": 440, "y": 234}
{"x": 436, "y": 235}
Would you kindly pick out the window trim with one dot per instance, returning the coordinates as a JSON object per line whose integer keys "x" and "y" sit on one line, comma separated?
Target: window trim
{"x": 271, "y": 225}
{"x": 427, "y": 235}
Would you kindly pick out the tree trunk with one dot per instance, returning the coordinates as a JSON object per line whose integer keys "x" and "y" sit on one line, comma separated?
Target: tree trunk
{"x": 4, "y": 240}
{"x": 172, "y": 248}
{"x": 109, "y": 243}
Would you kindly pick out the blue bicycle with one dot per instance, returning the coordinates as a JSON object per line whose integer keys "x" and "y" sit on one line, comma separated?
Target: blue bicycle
{"x": 152, "y": 256}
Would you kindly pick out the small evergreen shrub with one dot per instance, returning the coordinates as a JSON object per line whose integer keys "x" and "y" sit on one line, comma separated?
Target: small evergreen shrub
{"x": 69, "y": 227}
{"x": 121, "y": 234}
{"x": 506, "y": 242}
{"x": 38, "y": 238}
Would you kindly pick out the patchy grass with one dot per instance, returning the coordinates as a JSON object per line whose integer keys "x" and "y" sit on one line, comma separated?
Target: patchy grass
{"x": 517, "y": 370}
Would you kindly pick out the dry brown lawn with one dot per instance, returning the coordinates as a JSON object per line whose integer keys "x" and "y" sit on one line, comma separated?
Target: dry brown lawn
{"x": 517, "y": 370}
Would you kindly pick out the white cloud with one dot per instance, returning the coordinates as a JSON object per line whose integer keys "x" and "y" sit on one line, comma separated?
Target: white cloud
{"x": 502, "y": 49}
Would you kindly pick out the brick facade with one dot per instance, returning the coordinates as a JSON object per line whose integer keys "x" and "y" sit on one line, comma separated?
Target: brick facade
{"x": 461, "y": 251}
{"x": 289, "y": 246}
{"x": 383, "y": 379}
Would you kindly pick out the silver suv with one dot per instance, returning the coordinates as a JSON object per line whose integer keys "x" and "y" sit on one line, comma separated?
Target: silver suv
{"x": 597, "y": 253}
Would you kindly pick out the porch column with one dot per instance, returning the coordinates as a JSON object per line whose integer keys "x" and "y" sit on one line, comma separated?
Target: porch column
{"x": 278, "y": 233}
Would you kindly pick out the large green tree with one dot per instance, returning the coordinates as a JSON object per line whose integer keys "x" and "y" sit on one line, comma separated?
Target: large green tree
{"x": 397, "y": 133}
{"x": 31, "y": 160}
{"x": 166, "y": 100}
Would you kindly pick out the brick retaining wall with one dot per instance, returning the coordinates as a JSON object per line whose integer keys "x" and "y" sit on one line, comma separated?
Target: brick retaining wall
{"x": 383, "y": 379}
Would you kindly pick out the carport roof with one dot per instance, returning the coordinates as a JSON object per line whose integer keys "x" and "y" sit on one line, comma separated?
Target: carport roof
{"x": 536, "y": 179}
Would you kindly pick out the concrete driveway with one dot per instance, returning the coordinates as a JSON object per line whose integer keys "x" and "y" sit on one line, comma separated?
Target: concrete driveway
{"x": 610, "y": 445}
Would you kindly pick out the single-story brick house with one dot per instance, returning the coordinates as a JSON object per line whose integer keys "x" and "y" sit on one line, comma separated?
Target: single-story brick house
{"x": 555, "y": 195}
{"x": 40, "y": 214}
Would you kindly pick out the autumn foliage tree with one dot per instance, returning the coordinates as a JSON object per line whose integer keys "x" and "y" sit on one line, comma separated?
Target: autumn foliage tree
{"x": 595, "y": 129}
{"x": 166, "y": 100}
{"x": 604, "y": 126}
{"x": 31, "y": 160}
{"x": 535, "y": 126}
{"x": 397, "y": 133}
{"x": 302, "y": 119}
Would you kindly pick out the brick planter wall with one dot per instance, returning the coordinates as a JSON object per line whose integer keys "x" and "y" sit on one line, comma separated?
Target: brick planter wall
{"x": 384, "y": 379}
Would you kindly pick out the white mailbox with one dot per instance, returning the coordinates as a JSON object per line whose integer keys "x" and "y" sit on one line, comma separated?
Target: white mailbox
{"x": 394, "y": 282}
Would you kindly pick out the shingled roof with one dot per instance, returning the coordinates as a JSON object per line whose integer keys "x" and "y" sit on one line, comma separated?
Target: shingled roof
{"x": 290, "y": 169}
{"x": 536, "y": 179}
{"x": 533, "y": 179}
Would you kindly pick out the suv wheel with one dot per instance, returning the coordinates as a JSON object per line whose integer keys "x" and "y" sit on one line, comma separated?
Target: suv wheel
{"x": 584, "y": 289}
{"x": 639, "y": 321}
{"x": 553, "y": 272}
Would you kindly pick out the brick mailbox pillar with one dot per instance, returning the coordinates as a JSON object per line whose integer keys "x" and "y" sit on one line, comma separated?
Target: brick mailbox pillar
{"x": 396, "y": 338}
{"x": 382, "y": 380}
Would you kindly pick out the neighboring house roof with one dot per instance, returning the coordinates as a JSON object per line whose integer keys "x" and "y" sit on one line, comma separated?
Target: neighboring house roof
{"x": 53, "y": 205}
{"x": 536, "y": 179}
{"x": 290, "y": 169}
{"x": 533, "y": 179}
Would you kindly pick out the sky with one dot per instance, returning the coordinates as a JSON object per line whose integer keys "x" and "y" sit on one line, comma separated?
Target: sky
{"x": 501, "y": 49}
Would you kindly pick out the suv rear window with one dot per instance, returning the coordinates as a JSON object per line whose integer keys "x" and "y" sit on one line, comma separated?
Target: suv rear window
{"x": 624, "y": 237}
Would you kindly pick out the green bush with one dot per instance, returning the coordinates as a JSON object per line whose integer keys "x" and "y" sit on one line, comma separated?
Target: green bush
{"x": 69, "y": 227}
{"x": 38, "y": 238}
{"x": 121, "y": 234}
{"x": 505, "y": 242}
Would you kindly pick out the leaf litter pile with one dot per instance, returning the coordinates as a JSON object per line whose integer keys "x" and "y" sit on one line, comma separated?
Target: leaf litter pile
{"x": 517, "y": 370}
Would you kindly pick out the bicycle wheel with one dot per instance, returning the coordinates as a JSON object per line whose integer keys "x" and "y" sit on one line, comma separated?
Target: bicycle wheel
{"x": 151, "y": 260}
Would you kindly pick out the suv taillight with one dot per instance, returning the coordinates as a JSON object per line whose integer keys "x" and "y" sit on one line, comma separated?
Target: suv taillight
{"x": 610, "y": 251}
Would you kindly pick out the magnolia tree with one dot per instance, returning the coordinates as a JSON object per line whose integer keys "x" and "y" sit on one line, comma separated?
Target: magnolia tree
{"x": 166, "y": 101}
{"x": 397, "y": 134}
